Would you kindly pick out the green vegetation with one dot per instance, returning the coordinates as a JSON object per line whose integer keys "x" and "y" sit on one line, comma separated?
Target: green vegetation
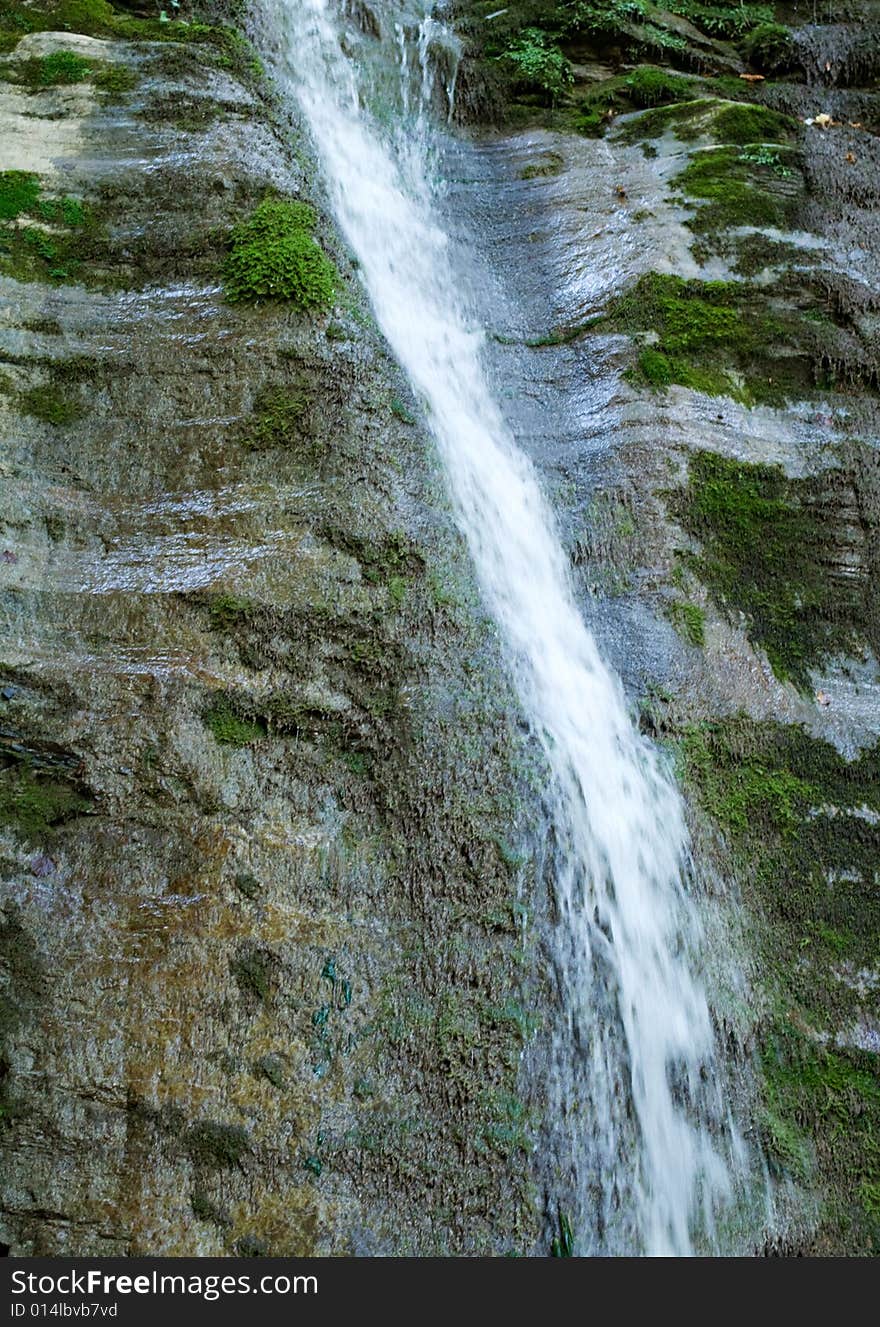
{"x": 282, "y": 417}
{"x": 538, "y": 64}
{"x": 563, "y": 1243}
{"x": 798, "y": 818}
{"x": 702, "y": 329}
{"x": 648, "y": 86}
{"x": 764, "y": 552}
{"x": 113, "y": 80}
{"x": 19, "y": 191}
{"x": 222, "y": 46}
{"x": 689, "y": 621}
{"x": 227, "y": 725}
{"x": 36, "y": 252}
{"x": 724, "y": 122}
{"x": 225, "y": 610}
{"x": 274, "y": 255}
{"x": 34, "y": 803}
{"x": 770, "y": 47}
{"x": 61, "y": 68}
{"x": 51, "y": 404}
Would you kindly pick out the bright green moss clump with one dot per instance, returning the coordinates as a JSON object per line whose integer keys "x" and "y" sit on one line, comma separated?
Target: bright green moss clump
{"x": 59, "y": 69}
{"x": 765, "y": 553}
{"x": 19, "y": 191}
{"x": 274, "y": 255}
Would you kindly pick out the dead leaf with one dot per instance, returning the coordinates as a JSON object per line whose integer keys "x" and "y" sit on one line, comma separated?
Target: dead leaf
{"x": 850, "y": 157}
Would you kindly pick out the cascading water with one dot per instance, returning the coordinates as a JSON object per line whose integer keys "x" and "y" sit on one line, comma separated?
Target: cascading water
{"x": 631, "y": 1088}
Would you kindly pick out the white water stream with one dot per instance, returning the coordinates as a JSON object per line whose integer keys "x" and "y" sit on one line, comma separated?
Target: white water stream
{"x": 632, "y": 1060}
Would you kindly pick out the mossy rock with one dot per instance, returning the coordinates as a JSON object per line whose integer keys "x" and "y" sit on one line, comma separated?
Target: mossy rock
{"x": 33, "y": 804}
{"x": 275, "y": 256}
{"x": 767, "y": 551}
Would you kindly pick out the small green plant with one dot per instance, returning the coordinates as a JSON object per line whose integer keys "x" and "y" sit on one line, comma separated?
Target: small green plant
{"x": 539, "y": 64}
{"x": 765, "y": 156}
{"x": 275, "y": 256}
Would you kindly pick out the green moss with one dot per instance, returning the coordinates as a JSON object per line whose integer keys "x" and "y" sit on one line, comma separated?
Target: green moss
{"x": 63, "y": 211}
{"x": 227, "y": 725}
{"x": 769, "y": 46}
{"x": 764, "y": 553}
{"x": 752, "y": 124}
{"x": 705, "y": 332}
{"x": 30, "y": 253}
{"x": 217, "y": 1146}
{"x": 51, "y": 404}
{"x": 552, "y": 164}
{"x": 59, "y": 69}
{"x": 113, "y": 80}
{"x": 686, "y": 119}
{"x": 204, "y": 1210}
{"x": 734, "y": 190}
{"x": 649, "y": 86}
{"x": 33, "y": 803}
{"x": 689, "y": 621}
{"x": 225, "y": 610}
{"x": 282, "y": 417}
{"x": 274, "y": 255}
{"x": 19, "y": 191}
{"x": 793, "y": 810}
{"x": 832, "y": 1097}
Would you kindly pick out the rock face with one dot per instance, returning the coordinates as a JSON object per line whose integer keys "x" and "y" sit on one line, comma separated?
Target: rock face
{"x": 262, "y": 934}
{"x": 271, "y": 929}
{"x": 694, "y": 261}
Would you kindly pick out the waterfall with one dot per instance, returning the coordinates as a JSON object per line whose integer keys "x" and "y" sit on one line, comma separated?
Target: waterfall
{"x": 632, "y": 1084}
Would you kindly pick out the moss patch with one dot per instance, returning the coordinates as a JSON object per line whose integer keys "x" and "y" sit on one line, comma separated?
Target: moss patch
{"x": 274, "y": 255}
{"x": 736, "y": 187}
{"x": 33, "y": 804}
{"x": 281, "y": 418}
{"x": 227, "y": 725}
{"x": 19, "y": 191}
{"x": 799, "y": 819}
{"x": 217, "y": 1146}
{"x": 767, "y": 552}
{"x": 689, "y": 621}
{"x": 705, "y": 332}
{"x": 51, "y": 404}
